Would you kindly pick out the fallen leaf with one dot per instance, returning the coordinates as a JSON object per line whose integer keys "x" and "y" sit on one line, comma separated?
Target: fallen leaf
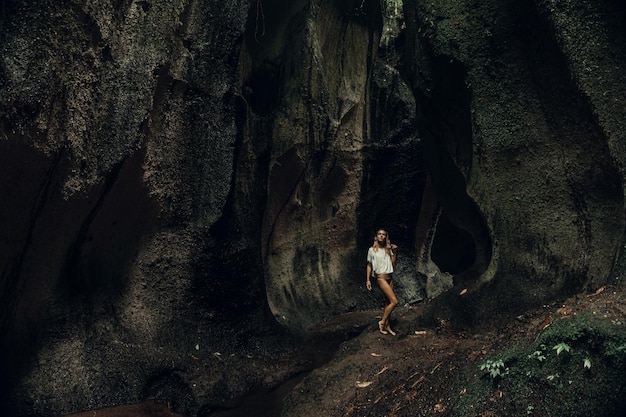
{"x": 546, "y": 323}
{"x": 598, "y": 291}
{"x": 439, "y": 408}
{"x": 411, "y": 396}
{"x": 382, "y": 370}
{"x": 436, "y": 367}
{"x": 420, "y": 332}
{"x": 363, "y": 384}
{"x": 463, "y": 292}
{"x": 420, "y": 379}
{"x": 375, "y": 354}
{"x": 565, "y": 310}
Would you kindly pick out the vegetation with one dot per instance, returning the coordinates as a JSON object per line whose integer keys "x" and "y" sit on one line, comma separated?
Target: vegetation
{"x": 571, "y": 365}
{"x": 494, "y": 368}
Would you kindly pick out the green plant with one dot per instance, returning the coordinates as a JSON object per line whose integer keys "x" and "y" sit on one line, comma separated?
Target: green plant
{"x": 616, "y": 354}
{"x": 538, "y": 354}
{"x": 564, "y": 358}
{"x": 494, "y": 368}
{"x": 561, "y": 347}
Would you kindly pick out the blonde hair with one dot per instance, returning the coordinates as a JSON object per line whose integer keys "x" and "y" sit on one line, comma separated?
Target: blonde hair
{"x": 387, "y": 242}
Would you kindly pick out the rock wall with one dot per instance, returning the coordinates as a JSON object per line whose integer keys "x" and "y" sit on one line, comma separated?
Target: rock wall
{"x": 540, "y": 160}
{"x": 318, "y": 128}
{"x": 176, "y": 174}
{"x": 117, "y": 135}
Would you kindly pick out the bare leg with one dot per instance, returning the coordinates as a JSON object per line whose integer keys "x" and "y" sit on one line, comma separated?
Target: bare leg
{"x": 387, "y": 289}
{"x": 388, "y": 325}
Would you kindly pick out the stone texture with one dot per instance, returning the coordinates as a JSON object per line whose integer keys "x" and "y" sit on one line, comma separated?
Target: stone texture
{"x": 177, "y": 173}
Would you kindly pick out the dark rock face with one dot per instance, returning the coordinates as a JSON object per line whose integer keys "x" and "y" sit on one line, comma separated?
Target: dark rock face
{"x": 176, "y": 173}
{"x": 118, "y": 134}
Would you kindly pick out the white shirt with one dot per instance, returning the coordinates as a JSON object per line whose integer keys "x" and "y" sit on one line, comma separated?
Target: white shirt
{"x": 381, "y": 262}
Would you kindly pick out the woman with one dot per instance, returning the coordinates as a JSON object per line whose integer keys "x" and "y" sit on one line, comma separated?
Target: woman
{"x": 381, "y": 259}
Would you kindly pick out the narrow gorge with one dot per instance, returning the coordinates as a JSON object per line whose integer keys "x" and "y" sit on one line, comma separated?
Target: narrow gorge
{"x": 189, "y": 189}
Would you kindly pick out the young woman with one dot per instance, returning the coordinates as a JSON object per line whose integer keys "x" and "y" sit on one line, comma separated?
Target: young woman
{"x": 381, "y": 259}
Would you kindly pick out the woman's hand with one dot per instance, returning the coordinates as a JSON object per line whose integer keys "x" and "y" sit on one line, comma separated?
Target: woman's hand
{"x": 368, "y": 285}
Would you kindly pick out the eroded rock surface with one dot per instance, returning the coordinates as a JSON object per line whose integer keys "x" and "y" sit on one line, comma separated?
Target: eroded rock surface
{"x": 185, "y": 185}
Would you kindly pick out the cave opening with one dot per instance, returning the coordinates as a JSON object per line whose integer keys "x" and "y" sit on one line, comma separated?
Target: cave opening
{"x": 454, "y": 249}
{"x": 461, "y": 243}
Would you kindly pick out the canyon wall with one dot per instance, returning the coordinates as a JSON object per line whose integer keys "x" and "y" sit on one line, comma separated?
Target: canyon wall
{"x": 175, "y": 173}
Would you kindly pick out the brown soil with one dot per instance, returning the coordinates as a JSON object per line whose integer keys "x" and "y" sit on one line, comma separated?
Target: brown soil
{"x": 435, "y": 371}
{"x": 426, "y": 371}
{"x": 145, "y": 409}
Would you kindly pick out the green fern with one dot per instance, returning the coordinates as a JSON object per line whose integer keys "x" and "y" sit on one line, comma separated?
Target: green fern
{"x": 561, "y": 347}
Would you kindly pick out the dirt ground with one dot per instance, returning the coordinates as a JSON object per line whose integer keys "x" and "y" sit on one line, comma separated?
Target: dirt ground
{"x": 427, "y": 372}
{"x": 437, "y": 371}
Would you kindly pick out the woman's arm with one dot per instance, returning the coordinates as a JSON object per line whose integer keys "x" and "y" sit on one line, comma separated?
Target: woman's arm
{"x": 368, "y": 283}
{"x": 394, "y": 254}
